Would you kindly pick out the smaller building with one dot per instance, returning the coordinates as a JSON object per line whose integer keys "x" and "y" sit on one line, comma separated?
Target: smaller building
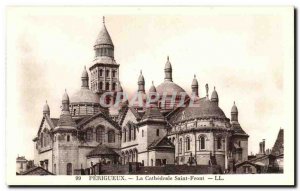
{"x": 37, "y": 170}
{"x": 21, "y": 164}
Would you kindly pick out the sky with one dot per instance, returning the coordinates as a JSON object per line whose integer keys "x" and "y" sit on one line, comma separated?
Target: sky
{"x": 240, "y": 52}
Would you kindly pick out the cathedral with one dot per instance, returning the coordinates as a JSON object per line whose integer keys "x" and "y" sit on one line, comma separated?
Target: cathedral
{"x": 159, "y": 133}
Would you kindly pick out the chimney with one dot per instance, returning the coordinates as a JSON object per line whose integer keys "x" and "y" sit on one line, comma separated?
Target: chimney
{"x": 263, "y": 146}
{"x": 260, "y": 148}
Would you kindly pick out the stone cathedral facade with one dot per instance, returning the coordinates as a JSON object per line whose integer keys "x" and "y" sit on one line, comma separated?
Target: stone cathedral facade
{"x": 164, "y": 133}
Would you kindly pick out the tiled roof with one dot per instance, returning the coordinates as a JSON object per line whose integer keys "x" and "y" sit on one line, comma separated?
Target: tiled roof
{"x": 238, "y": 129}
{"x": 202, "y": 109}
{"x": 37, "y": 170}
{"x": 103, "y": 37}
{"x": 101, "y": 150}
{"x": 278, "y": 147}
{"x": 66, "y": 120}
{"x": 153, "y": 114}
{"x": 163, "y": 142}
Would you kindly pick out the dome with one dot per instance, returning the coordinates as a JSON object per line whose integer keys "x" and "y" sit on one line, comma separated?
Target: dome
{"x": 234, "y": 108}
{"x": 214, "y": 95}
{"x": 202, "y": 109}
{"x": 169, "y": 87}
{"x": 103, "y": 37}
{"x": 85, "y": 96}
{"x": 195, "y": 81}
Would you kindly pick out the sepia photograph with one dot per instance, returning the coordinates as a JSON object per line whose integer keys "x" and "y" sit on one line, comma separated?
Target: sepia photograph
{"x": 124, "y": 96}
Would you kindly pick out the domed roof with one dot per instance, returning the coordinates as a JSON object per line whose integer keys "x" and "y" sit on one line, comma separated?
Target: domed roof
{"x": 103, "y": 36}
{"x": 46, "y": 108}
{"x": 85, "y": 96}
{"x": 195, "y": 81}
{"x": 214, "y": 95}
{"x": 202, "y": 109}
{"x": 169, "y": 87}
{"x": 234, "y": 108}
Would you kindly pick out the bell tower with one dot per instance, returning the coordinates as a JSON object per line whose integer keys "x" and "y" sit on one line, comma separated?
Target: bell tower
{"x": 105, "y": 70}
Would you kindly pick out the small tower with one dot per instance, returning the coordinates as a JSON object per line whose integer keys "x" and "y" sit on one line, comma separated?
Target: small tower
{"x": 65, "y": 141}
{"x": 46, "y": 109}
{"x": 84, "y": 79}
{"x": 195, "y": 87}
{"x": 153, "y": 94}
{"x": 207, "y": 89}
{"x": 141, "y": 83}
{"x": 105, "y": 70}
{"x": 168, "y": 70}
{"x": 214, "y": 96}
{"x": 234, "y": 113}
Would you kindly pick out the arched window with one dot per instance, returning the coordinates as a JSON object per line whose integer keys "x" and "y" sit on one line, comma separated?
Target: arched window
{"x": 68, "y": 138}
{"x": 107, "y": 86}
{"x": 69, "y": 169}
{"x": 219, "y": 143}
{"x": 187, "y": 144}
{"x": 89, "y": 135}
{"x": 100, "y": 72}
{"x": 113, "y": 73}
{"x": 129, "y": 133}
{"x": 173, "y": 140}
{"x": 125, "y": 134}
{"x": 134, "y": 133}
{"x": 107, "y": 73}
{"x": 101, "y": 85}
{"x": 111, "y": 136}
{"x": 100, "y": 134}
{"x": 42, "y": 139}
{"x": 114, "y": 86}
{"x": 201, "y": 142}
{"x": 180, "y": 146}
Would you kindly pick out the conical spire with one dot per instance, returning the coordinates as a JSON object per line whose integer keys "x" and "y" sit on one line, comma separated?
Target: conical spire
{"x": 104, "y": 45}
{"x": 195, "y": 88}
{"x": 46, "y": 109}
{"x": 103, "y": 36}
{"x": 152, "y": 88}
{"x": 141, "y": 83}
{"x": 65, "y": 117}
{"x": 65, "y": 102}
{"x": 234, "y": 112}
{"x": 152, "y": 95}
{"x": 84, "y": 79}
{"x": 168, "y": 70}
{"x": 214, "y": 96}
